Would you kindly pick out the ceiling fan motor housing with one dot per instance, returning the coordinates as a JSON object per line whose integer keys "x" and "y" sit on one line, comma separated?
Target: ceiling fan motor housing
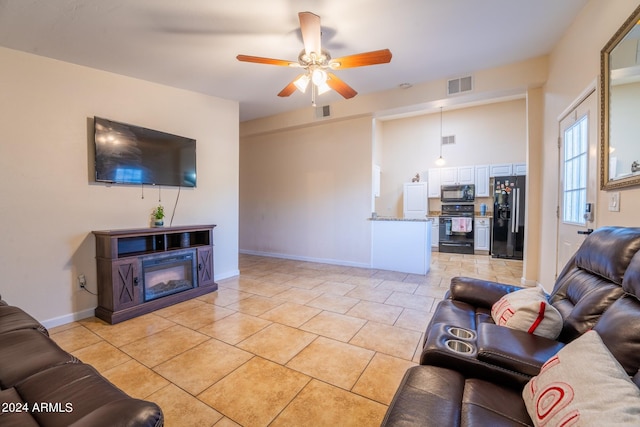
{"x": 313, "y": 58}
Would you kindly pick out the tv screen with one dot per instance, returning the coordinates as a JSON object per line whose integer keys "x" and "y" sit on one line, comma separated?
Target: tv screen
{"x": 127, "y": 154}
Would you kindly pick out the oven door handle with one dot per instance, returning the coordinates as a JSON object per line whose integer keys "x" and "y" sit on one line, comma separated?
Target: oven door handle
{"x": 457, "y": 245}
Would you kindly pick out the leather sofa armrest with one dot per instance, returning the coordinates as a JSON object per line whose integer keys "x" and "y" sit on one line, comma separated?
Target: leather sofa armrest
{"x": 479, "y": 293}
{"x": 513, "y": 349}
{"x": 126, "y": 412}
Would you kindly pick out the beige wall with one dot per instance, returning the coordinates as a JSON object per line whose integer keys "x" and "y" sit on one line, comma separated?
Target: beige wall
{"x": 573, "y": 66}
{"x": 263, "y": 141}
{"x": 490, "y": 84}
{"x": 48, "y": 204}
{"x": 485, "y": 134}
{"x": 306, "y": 193}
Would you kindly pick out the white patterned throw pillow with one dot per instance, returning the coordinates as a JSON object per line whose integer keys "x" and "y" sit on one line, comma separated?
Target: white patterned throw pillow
{"x": 583, "y": 385}
{"x": 528, "y": 310}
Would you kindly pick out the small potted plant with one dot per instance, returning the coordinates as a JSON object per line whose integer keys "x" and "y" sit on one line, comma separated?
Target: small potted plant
{"x": 158, "y": 216}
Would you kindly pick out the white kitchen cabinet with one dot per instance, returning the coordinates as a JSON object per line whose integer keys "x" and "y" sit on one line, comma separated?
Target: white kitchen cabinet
{"x": 482, "y": 181}
{"x": 501, "y": 169}
{"x": 448, "y": 176}
{"x": 435, "y": 232}
{"x": 433, "y": 181}
{"x": 459, "y": 175}
{"x": 482, "y": 234}
{"x": 415, "y": 200}
{"x": 520, "y": 169}
{"x": 466, "y": 175}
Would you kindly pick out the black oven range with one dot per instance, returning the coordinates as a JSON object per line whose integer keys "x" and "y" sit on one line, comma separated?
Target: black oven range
{"x": 456, "y": 229}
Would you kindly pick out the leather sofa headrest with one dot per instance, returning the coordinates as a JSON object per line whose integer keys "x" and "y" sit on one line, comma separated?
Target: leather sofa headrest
{"x": 631, "y": 280}
{"x": 608, "y": 251}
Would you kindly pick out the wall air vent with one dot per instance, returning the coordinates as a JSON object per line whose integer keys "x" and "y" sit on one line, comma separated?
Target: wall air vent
{"x": 322, "y": 112}
{"x": 459, "y": 85}
{"x": 448, "y": 140}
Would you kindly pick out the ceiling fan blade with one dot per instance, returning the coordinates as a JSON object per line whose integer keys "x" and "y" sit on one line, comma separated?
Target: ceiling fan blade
{"x": 362, "y": 59}
{"x": 270, "y": 61}
{"x": 310, "y": 29}
{"x": 289, "y": 89}
{"x": 340, "y": 86}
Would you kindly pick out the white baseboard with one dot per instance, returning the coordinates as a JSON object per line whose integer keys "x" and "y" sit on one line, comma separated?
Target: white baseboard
{"x": 90, "y": 312}
{"x": 68, "y": 318}
{"x": 308, "y": 259}
{"x": 529, "y": 283}
{"x": 227, "y": 275}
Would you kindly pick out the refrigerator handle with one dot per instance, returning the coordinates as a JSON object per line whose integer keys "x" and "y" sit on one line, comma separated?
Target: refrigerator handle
{"x": 517, "y": 209}
{"x": 514, "y": 211}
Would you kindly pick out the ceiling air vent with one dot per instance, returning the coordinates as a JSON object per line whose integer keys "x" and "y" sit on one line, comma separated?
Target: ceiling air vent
{"x": 322, "y": 112}
{"x": 448, "y": 140}
{"x": 460, "y": 85}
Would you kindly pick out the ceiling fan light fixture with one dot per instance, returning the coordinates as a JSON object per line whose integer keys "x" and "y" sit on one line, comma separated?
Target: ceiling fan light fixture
{"x": 319, "y": 77}
{"x": 323, "y": 88}
{"x": 317, "y": 63}
{"x": 302, "y": 83}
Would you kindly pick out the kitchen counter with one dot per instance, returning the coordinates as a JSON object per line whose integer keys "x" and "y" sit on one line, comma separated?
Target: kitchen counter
{"x": 399, "y": 244}
{"x": 392, "y": 218}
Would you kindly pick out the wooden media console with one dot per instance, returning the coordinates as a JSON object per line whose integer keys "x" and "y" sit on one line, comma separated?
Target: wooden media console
{"x": 142, "y": 270}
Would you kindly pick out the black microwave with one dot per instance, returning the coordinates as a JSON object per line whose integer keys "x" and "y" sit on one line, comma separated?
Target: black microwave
{"x": 457, "y": 193}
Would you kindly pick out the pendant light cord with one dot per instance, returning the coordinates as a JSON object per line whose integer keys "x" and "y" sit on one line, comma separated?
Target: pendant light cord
{"x": 440, "y": 132}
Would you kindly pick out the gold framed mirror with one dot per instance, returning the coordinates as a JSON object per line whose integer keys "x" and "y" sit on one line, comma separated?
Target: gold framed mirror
{"x": 620, "y": 107}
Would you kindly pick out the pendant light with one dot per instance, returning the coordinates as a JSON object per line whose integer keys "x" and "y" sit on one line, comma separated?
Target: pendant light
{"x": 440, "y": 161}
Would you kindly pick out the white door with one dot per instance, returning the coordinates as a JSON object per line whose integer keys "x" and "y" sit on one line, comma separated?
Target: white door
{"x": 578, "y": 177}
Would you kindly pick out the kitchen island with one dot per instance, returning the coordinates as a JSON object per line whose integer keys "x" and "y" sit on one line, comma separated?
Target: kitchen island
{"x": 399, "y": 244}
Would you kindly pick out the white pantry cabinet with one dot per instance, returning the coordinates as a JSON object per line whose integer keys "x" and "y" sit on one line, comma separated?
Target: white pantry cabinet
{"x": 415, "y": 201}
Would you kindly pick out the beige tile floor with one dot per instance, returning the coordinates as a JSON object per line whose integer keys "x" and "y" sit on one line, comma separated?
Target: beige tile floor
{"x": 287, "y": 343}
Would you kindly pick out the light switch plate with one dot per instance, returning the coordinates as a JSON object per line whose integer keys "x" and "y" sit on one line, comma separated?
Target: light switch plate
{"x": 614, "y": 201}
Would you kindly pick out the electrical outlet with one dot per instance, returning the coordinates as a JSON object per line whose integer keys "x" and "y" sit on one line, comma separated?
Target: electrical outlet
{"x": 614, "y": 201}
{"x": 82, "y": 281}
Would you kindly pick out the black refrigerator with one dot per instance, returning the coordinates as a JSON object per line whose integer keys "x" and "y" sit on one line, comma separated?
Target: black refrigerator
{"x": 507, "y": 235}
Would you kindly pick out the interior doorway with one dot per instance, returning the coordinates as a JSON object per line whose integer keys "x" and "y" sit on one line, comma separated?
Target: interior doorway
{"x": 578, "y": 176}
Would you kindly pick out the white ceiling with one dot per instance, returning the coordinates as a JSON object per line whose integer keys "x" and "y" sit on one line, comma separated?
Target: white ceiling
{"x": 192, "y": 44}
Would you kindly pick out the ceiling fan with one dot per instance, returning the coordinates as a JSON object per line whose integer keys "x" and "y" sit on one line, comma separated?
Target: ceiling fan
{"x": 318, "y": 64}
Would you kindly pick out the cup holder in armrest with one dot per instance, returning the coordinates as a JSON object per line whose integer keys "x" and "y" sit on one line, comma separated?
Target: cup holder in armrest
{"x": 459, "y": 346}
{"x": 461, "y": 333}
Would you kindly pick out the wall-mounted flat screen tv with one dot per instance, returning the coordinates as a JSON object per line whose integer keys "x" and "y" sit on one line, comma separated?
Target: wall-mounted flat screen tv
{"x": 127, "y": 154}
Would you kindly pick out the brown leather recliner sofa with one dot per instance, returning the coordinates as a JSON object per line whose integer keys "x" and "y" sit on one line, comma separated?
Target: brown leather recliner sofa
{"x": 472, "y": 371}
{"x": 42, "y": 385}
